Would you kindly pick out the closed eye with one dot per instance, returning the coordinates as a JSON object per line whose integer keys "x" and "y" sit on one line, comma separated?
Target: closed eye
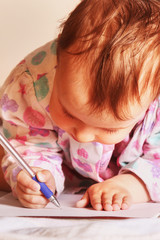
{"x": 111, "y": 131}
{"x": 67, "y": 114}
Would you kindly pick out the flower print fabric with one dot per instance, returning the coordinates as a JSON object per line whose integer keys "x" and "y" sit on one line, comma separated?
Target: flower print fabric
{"x": 25, "y": 111}
{"x": 25, "y": 98}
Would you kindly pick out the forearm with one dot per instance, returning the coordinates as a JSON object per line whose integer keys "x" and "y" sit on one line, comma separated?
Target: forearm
{"x": 135, "y": 186}
{"x": 145, "y": 170}
{"x": 3, "y": 184}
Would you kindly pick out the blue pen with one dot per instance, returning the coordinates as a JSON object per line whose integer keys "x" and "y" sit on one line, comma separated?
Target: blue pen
{"x": 44, "y": 189}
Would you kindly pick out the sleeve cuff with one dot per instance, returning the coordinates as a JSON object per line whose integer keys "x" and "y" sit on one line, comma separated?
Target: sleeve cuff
{"x": 149, "y": 172}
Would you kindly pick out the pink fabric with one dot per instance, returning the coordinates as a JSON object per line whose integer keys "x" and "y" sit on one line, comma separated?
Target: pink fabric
{"x": 27, "y": 124}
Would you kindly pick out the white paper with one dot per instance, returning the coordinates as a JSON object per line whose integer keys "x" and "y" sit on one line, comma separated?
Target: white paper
{"x": 9, "y": 206}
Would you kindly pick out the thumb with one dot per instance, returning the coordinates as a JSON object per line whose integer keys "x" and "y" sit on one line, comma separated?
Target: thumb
{"x": 46, "y": 177}
{"x": 84, "y": 201}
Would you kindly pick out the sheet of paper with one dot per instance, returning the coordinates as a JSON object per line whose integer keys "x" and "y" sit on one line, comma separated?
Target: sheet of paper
{"x": 9, "y": 206}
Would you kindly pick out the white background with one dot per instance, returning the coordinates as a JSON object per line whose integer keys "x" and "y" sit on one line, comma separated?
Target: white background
{"x": 26, "y": 25}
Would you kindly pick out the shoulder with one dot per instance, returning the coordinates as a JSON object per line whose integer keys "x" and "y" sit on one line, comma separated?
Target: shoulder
{"x": 151, "y": 119}
{"x": 154, "y": 110}
{"x": 43, "y": 59}
{"x": 40, "y": 62}
{"x": 30, "y": 83}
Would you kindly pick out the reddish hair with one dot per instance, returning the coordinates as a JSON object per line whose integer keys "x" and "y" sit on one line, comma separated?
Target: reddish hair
{"x": 118, "y": 37}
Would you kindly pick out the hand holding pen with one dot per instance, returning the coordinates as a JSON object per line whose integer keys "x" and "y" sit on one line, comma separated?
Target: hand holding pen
{"x": 43, "y": 188}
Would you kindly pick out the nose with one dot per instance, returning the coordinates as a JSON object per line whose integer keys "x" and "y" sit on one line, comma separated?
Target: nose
{"x": 84, "y": 134}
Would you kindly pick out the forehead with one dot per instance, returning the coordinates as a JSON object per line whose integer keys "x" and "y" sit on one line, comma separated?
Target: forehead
{"x": 73, "y": 78}
{"x": 74, "y": 84}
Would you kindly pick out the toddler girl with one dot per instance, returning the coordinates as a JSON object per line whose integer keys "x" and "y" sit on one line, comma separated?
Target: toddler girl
{"x": 89, "y": 100}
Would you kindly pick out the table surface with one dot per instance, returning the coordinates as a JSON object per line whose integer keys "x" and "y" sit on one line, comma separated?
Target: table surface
{"x": 28, "y": 228}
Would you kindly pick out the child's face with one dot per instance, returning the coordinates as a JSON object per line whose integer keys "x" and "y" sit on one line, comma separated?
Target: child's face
{"x": 70, "y": 112}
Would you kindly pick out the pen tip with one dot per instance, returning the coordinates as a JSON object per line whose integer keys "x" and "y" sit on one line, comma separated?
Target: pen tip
{"x": 54, "y": 201}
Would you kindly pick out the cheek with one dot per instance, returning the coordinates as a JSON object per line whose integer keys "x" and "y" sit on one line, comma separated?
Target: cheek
{"x": 57, "y": 114}
{"x": 61, "y": 120}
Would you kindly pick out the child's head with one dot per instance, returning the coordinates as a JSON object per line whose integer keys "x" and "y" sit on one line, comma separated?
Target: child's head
{"x": 109, "y": 58}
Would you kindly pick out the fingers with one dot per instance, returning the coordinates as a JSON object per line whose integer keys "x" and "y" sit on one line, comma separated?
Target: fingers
{"x": 89, "y": 198}
{"x": 116, "y": 202}
{"x": 28, "y": 190}
{"x": 47, "y": 177}
{"x": 29, "y": 198}
{"x": 32, "y": 200}
{"x": 127, "y": 201}
{"x": 113, "y": 200}
{"x": 96, "y": 201}
{"x": 26, "y": 183}
{"x": 84, "y": 201}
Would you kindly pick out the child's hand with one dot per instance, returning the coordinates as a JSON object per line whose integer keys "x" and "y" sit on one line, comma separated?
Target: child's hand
{"x": 28, "y": 190}
{"x": 114, "y": 194}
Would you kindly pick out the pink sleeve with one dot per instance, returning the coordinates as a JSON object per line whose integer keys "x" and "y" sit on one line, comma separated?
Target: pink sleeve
{"x": 29, "y": 128}
{"x": 142, "y": 155}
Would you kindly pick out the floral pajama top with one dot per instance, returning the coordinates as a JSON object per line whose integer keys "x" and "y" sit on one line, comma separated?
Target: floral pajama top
{"x": 27, "y": 123}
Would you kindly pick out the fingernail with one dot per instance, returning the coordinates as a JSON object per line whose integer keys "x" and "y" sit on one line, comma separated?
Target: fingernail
{"x": 98, "y": 207}
{"x": 80, "y": 203}
{"x": 41, "y": 177}
{"x": 108, "y": 207}
{"x": 116, "y": 207}
{"x": 124, "y": 206}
